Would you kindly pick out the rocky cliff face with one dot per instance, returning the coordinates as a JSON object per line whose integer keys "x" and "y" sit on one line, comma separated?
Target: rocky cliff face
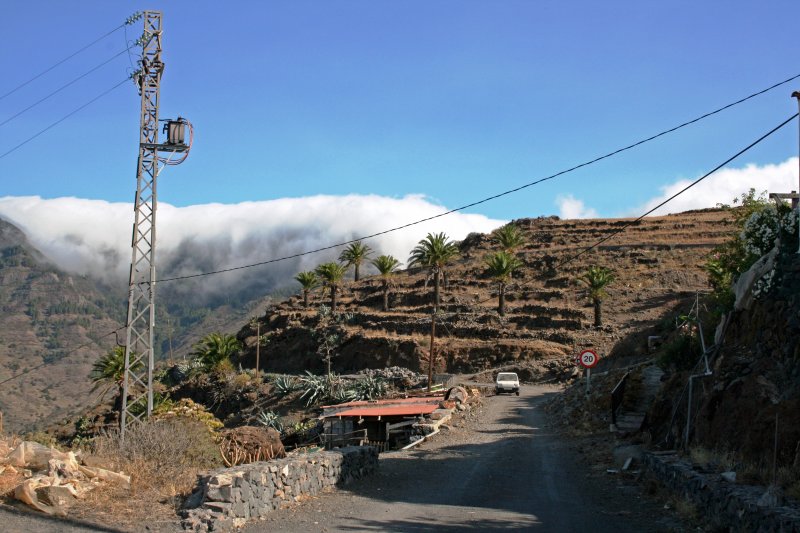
{"x": 757, "y": 374}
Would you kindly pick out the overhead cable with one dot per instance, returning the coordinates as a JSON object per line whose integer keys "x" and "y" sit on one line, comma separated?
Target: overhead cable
{"x": 110, "y": 59}
{"x": 493, "y": 197}
{"x": 662, "y": 204}
{"x": 65, "y": 117}
{"x": 70, "y": 352}
{"x": 130, "y": 20}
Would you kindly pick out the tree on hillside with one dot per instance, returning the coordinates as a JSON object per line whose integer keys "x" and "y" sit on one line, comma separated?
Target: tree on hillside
{"x": 434, "y": 252}
{"x": 329, "y": 333}
{"x": 215, "y": 349}
{"x": 596, "y": 279}
{"x": 386, "y": 265}
{"x": 500, "y": 266}
{"x": 109, "y": 370}
{"x": 332, "y": 275}
{"x": 510, "y": 238}
{"x": 354, "y": 255}
{"x": 308, "y": 281}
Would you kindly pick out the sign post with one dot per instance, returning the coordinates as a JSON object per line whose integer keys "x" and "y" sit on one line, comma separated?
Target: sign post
{"x": 588, "y": 360}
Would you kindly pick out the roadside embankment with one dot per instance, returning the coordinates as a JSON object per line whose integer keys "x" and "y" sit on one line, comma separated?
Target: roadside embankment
{"x": 727, "y": 506}
{"x": 229, "y": 497}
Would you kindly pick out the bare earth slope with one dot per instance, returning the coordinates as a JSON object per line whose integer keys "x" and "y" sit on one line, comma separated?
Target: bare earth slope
{"x": 658, "y": 266}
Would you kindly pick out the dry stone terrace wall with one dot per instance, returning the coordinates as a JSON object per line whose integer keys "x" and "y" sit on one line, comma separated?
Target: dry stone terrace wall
{"x": 727, "y": 506}
{"x": 229, "y": 497}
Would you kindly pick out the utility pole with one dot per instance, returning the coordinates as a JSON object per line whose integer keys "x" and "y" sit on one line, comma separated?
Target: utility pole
{"x": 796, "y": 201}
{"x": 137, "y": 393}
{"x": 432, "y": 352}
{"x": 258, "y": 345}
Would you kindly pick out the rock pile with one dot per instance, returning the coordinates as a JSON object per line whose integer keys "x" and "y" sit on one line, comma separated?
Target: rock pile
{"x": 227, "y": 498}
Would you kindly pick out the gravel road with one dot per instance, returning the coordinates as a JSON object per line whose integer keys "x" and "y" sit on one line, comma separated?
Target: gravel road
{"x": 498, "y": 469}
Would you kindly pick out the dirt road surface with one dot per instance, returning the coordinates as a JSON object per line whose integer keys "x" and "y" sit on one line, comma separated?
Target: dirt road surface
{"x": 503, "y": 471}
{"x": 499, "y": 467}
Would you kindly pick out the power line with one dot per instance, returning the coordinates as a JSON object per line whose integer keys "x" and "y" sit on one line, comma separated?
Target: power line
{"x": 65, "y": 117}
{"x": 662, "y": 204}
{"x": 130, "y": 20}
{"x": 107, "y": 61}
{"x": 70, "y": 352}
{"x": 493, "y": 197}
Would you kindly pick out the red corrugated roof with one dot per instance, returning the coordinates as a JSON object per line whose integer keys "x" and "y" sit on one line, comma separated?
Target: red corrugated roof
{"x": 397, "y": 410}
{"x": 395, "y": 407}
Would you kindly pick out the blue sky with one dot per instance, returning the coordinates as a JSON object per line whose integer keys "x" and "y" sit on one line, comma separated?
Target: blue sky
{"x": 455, "y": 100}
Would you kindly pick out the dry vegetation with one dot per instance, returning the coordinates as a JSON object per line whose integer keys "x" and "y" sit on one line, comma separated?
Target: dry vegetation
{"x": 163, "y": 458}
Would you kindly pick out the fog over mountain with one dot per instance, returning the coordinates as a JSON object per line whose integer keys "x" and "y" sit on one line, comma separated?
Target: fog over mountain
{"x": 92, "y": 237}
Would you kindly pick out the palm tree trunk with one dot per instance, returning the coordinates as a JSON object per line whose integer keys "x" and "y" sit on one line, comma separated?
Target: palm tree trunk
{"x": 305, "y": 298}
{"x": 436, "y": 275}
{"x": 385, "y": 295}
{"x": 356, "y": 271}
{"x": 598, "y": 317}
{"x": 333, "y": 298}
{"x": 501, "y": 306}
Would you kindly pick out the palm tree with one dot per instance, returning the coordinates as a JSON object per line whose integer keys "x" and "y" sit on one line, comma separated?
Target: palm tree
{"x": 215, "y": 348}
{"x": 500, "y": 266}
{"x": 510, "y": 238}
{"x": 332, "y": 275}
{"x": 386, "y": 265}
{"x": 354, "y": 255}
{"x": 434, "y": 252}
{"x": 308, "y": 280}
{"x": 596, "y": 279}
{"x": 109, "y": 370}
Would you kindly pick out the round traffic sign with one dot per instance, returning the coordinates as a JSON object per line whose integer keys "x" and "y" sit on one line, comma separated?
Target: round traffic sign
{"x": 589, "y": 359}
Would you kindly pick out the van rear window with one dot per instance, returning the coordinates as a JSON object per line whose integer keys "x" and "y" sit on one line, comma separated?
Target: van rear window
{"x": 506, "y": 377}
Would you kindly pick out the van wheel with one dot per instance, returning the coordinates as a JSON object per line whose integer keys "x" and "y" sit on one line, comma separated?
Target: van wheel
{"x": 517, "y": 393}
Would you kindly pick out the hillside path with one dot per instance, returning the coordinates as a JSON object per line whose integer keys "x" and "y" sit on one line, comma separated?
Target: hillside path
{"x": 506, "y": 471}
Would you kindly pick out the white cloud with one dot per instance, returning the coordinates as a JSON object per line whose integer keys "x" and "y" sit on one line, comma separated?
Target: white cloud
{"x": 725, "y": 185}
{"x": 570, "y": 207}
{"x": 93, "y": 236}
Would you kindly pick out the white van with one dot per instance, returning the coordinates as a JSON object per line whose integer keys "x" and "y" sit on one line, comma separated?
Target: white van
{"x": 507, "y": 382}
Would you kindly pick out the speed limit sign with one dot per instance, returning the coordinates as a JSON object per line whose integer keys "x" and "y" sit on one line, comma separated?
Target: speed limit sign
{"x": 588, "y": 359}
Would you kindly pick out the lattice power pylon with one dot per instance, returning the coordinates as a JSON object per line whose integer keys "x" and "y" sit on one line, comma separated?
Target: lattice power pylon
{"x": 137, "y": 396}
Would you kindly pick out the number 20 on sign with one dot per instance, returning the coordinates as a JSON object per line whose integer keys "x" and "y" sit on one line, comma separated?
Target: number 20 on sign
{"x": 588, "y": 360}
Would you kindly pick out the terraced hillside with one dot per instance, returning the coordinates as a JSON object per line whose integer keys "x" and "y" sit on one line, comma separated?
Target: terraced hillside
{"x": 52, "y": 328}
{"x": 658, "y": 266}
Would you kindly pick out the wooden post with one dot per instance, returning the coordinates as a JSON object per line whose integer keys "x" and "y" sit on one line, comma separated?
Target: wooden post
{"x": 258, "y": 345}
{"x": 431, "y": 353}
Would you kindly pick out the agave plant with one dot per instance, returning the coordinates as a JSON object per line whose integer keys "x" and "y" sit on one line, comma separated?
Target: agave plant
{"x": 369, "y": 388}
{"x": 317, "y": 389}
{"x": 271, "y": 419}
{"x": 283, "y": 385}
{"x": 342, "y": 395}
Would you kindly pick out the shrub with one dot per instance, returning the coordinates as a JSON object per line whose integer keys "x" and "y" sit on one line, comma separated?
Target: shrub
{"x": 160, "y": 455}
{"x": 679, "y": 353}
{"x": 188, "y": 409}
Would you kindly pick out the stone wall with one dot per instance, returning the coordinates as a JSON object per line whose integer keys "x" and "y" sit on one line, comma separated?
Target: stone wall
{"x": 727, "y": 506}
{"x": 227, "y": 498}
